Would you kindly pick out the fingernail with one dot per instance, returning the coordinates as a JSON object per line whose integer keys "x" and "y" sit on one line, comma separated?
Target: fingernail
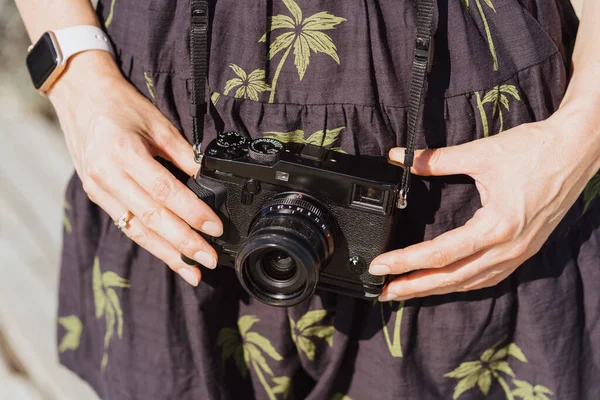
{"x": 388, "y": 297}
{"x": 212, "y": 228}
{"x": 206, "y": 259}
{"x": 397, "y": 154}
{"x": 379, "y": 270}
{"x": 190, "y": 276}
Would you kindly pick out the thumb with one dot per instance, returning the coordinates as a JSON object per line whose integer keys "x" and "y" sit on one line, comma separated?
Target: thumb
{"x": 454, "y": 160}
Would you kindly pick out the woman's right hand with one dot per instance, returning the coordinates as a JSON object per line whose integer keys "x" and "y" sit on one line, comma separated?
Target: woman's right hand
{"x": 113, "y": 134}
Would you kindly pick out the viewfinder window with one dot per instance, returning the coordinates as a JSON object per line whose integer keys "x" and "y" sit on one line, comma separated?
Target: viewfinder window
{"x": 370, "y": 198}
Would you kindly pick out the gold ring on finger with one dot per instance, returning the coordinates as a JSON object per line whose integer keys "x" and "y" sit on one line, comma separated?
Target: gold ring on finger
{"x": 124, "y": 220}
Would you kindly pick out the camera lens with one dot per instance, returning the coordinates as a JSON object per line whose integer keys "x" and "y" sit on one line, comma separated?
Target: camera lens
{"x": 290, "y": 239}
{"x": 279, "y": 266}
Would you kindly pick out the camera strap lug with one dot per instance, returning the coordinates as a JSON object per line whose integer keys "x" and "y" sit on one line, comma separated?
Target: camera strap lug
{"x": 421, "y": 66}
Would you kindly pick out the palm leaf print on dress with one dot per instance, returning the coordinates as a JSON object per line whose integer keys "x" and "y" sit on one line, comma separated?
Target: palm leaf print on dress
{"x": 305, "y": 330}
{"x": 527, "y": 391}
{"x": 73, "y": 327}
{"x": 323, "y": 138}
{"x": 486, "y": 26}
{"x": 340, "y": 396}
{"x": 250, "y": 85}
{"x": 492, "y": 365}
{"x": 394, "y": 343}
{"x": 111, "y": 14}
{"x": 247, "y": 349}
{"x": 496, "y": 96}
{"x": 303, "y": 35}
{"x": 107, "y": 304}
{"x": 591, "y": 192}
{"x": 66, "y": 221}
{"x": 150, "y": 86}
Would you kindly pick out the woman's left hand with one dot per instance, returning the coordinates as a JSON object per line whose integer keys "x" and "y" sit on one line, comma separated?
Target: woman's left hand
{"x": 528, "y": 177}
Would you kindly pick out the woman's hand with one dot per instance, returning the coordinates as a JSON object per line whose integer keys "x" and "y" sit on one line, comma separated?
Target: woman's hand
{"x": 113, "y": 133}
{"x": 527, "y": 177}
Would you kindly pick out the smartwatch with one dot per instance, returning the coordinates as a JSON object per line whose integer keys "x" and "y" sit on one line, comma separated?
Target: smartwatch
{"x": 48, "y": 58}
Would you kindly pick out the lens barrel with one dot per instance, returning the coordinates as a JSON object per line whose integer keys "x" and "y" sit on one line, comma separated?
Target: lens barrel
{"x": 290, "y": 240}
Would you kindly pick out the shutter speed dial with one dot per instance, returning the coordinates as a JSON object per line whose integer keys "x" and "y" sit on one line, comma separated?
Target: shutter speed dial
{"x": 265, "y": 150}
{"x": 231, "y": 139}
{"x": 232, "y": 144}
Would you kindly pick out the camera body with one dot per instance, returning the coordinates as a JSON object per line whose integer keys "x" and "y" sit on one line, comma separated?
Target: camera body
{"x": 298, "y": 216}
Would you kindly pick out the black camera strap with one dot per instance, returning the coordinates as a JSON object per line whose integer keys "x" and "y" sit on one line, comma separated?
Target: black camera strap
{"x": 421, "y": 64}
{"x": 422, "y": 56}
{"x": 199, "y": 67}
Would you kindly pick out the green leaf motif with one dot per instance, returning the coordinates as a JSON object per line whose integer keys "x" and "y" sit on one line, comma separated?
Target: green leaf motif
{"x": 305, "y": 329}
{"x": 486, "y": 27}
{"x": 246, "y": 322}
{"x": 516, "y": 352}
{"x": 249, "y": 86}
{"x": 111, "y": 13}
{"x": 321, "y": 331}
{"x": 527, "y": 391}
{"x": 107, "y": 304}
{"x": 282, "y": 386}
{"x": 109, "y": 313}
{"x": 307, "y": 346}
{"x": 248, "y": 349}
{"x": 264, "y": 344}
{"x": 591, "y": 192}
{"x": 498, "y": 97}
{"x": 66, "y": 221}
{"x": 464, "y": 369}
{"x": 215, "y": 98}
{"x": 296, "y": 136}
{"x": 73, "y": 327}
{"x": 484, "y": 381}
{"x": 340, "y": 396}
{"x": 490, "y": 5}
{"x": 150, "y": 86}
{"x": 254, "y": 355}
{"x": 323, "y": 138}
{"x": 394, "y": 344}
{"x": 303, "y": 36}
{"x": 492, "y": 365}
{"x": 502, "y": 366}
{"x": 110, "y": 279}
{"x": 116, "y": 305}
{"x": 99, "y": 298}
{"x": 464, "y": 384}
{"x": 310, "y": 318}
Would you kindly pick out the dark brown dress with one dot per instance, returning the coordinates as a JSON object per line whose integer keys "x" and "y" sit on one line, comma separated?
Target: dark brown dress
{"x": 336, "y": 73}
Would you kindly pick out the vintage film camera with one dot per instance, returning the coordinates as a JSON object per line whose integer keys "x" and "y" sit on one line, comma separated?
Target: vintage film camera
{"x": 298, "y": 216}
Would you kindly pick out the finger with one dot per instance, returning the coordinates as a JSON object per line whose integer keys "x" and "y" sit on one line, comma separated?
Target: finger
{"x": 160, "y": 219}
{"x": 147, "y": 239}
{"x": 491, "y": 278}
{"x": 454, "y": 160}
{"x": 444, "y": 250}
{"x": 436, "y": 281}
{"x": 174, "y": 195}
{"x": 175, "y": 148}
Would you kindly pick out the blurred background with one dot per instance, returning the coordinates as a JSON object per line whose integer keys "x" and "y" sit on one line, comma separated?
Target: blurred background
{"x": 34, "y": 171}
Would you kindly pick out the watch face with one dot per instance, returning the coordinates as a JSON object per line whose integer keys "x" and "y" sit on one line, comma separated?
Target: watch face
{"x": 42, "y": 60}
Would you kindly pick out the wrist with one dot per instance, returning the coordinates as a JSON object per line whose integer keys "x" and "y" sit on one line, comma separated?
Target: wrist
{"x": 577, "y": 122}
{"x": 83, "y": 71}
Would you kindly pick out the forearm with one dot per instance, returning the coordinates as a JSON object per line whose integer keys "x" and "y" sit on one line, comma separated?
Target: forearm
{"x": 40, "y": 16}
{"x": 579, "y": 108}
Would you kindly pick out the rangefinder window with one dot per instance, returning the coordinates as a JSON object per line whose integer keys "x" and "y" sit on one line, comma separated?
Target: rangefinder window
{"x": 369, "y": 198}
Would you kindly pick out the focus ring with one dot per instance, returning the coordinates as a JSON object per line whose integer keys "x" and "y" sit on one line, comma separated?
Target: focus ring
{"x": 300, "y": 201}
